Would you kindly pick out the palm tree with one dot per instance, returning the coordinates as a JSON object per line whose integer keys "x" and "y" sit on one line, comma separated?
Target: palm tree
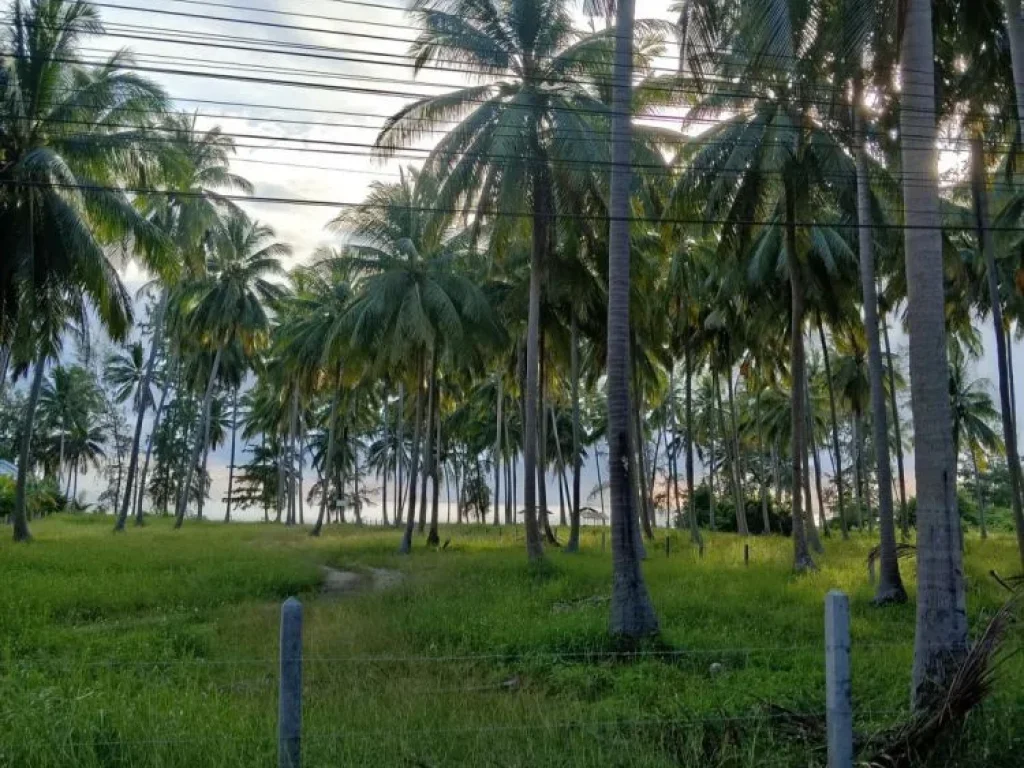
{"x": 941, "y": 637}
{"x": 523, "y": 132}
{"x": 69, "y": 399}
{"x": 412, "y": 302}
{"x": 191, "y": 208}
{"x": 228, "y": 306}
{"x": 632, "y": 614}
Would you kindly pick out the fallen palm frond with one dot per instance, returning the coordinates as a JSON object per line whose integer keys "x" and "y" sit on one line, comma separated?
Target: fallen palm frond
{"x": 910, "y": 742}
{"x": 1010, "y": 583}
{"x": 902, "y": 551}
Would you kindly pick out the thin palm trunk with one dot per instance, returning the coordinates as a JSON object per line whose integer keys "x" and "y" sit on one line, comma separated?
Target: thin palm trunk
{"x": 574, "y": 376}
{"x": 674, "y": 499}
{"x": 563, "y": 496}
{"x": 890, "y": 585}
{"x": 231, "y": 461}
{"x": 428, "y": 443}
{"x": 144, "y": 389}
{"x": 410, "y": 520}
{"x": 534, "y": 545}
{"x": 632, "y": 613}
{"x": 400, "y": 456}
{"x": 198, "y": 447}
{"x": 20, "y": 515}
{"x": 325, "y": 490}
{"x": 858, "y": 485}
{"x": 1009, "y": 369}
{"x": 497, "y": 450}
{"x": 801, "y": 556}
{"x": 1005, "y": 405}
{"x": 741, "y": 504}
{"x": 639, "y": 470}
{"x": 158, "y": 414}
{"x": 711, "y": 459}
{"x": 941, "y": 636}
{"x": 765, "y": 518}
{"x": 433, "y": 538}
{"x": 812, "y": 532}
{"x": 542, "y": 453}
{"x": 897, "y": 433}
{"x": 836, "y": 455}
{"x": 1014, "y": 32}
{"x": 691, "y": 505}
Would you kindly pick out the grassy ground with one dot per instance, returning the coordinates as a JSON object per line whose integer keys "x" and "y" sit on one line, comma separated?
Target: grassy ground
{"x": 157, "y": 648}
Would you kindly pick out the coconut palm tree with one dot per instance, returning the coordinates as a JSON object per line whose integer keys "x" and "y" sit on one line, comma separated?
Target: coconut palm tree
{"x": 520, "y": 137}
{"x": 196, "y": 171}
{"x": 230, "y": 305}
{"x": 412, "y": 302}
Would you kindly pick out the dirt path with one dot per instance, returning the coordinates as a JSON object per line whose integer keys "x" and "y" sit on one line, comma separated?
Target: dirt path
{"x": 338, "y": 582}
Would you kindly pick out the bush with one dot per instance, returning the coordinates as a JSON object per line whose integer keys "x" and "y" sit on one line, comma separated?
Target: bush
{"x": 725, "y": 513}
{"x": 43, "y": 497}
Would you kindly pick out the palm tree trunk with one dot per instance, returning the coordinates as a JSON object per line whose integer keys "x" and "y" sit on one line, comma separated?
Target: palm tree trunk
{"x": 812, "y": 532}
{"x": 978, "y": 490}
{"x": 231, "y": 461}
{"x": 400, "y": 456}
{"x": 20, "y": 516}
{"x": 898, "y": 434}
{"x": 837, "y": 456}
{"x": 414, "y": 459}
{"x": 632, "y": 614}
{"x": 765, "y": 518}
{"x": 534, "y": 546}
{"x": 510, "y": 457}
{"x": 428, "y": 443}
{"x": 691, "y": 505}
{"x": 157, "y": 415}
{"x": 890, "y": 585}
{"x": 639, "y": 471}
{"x": 497, "y": 450}
{"x": 1014, "y": 32}
{"x": 562, "y": 496}
{"x": 858, "y": 485}
{"x": 1009, "y": 369}
{"x": 293, "y": 419}
{"x": 144, "y": 387}
{"x": 801, "y": 556}
{"x": 817, "y": 479}
{"x": 197, "y": 449}
{"x": 433, "y": 537}
{"x": 741, "y": 502}
{"x": 1005, "y": 406}
{"x": 542, "y": 453}
{"x": 941, "y": 637}
{"x": 574, "y": 383}
{"x": 5, "y": 364}
{"x": 711, "y": 456}
{"x": 325, "y": 490}
{"x": 674, "y": 499}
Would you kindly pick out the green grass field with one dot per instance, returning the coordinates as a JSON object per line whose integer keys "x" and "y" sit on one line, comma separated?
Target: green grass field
{"x": 158, "y": 648}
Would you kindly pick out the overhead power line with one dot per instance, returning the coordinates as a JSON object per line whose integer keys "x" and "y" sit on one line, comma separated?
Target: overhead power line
{"x": 488, "y": 213}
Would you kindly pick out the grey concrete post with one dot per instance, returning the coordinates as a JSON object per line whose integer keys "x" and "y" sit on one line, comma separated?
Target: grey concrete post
{"x": 289, "y": 713}
{"x": 838, "y": 692}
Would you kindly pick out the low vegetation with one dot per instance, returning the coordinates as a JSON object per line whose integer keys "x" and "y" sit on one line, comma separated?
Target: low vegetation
{"x": 161, "y": 651}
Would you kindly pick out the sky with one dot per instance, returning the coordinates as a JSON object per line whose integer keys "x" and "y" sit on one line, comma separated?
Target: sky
{"x": 308, "y": 140}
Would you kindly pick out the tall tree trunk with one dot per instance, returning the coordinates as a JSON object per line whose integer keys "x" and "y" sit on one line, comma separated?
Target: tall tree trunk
{"x": 157, "y": 415}
{"x": 433, "y": 538}
{"x": 497, "y": 450}
{"x": 765, "y": 518}
{"x": 5, "y": 364}
{"x": 801, "y": 556}
{"x": 400, "y": 456}
{"x": 813, "y": 446}
{"x": 640, "y": 468}
{"x": 836, "y": 455}
{"x": 562, "y": 497}
{"x": 325, "y": 490}
{"x": 858, "y": 483}
{"x": 386, "y": 470}
{"x": 531, "y": 418}
{"x": 1014, "y": 32}
{"x": 890, "y": 585}
{"x": 293, "y": 419}
{"x": 711, "y": 455}
{"x": 632, "y": 613}
{"x": 1009, "y": 369}
{"x": 542, "y": 453}
{"x": 897, "y": 433}
{"x": 428, "y": 443}
{"x": 812, "y": 532}
{"x": 20, "y": 516}
{"x": 510, "y": 457}
{"x": 574, "y": 384}
{"x": 197, "y": 449}
{"x": 1005, "y": 405}
{"x": 414, "y": 459}
{"x": 941, "y": 637}
{"x": 673, "y": 498}
{"x": 691, "y": 503}
{"x": 737, "y": 470}
{"x": 144, "y": 401}
{"x": 231, "y": 462}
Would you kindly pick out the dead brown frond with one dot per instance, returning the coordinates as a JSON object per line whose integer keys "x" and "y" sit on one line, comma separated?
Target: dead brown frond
{"x": 910, "y": 742}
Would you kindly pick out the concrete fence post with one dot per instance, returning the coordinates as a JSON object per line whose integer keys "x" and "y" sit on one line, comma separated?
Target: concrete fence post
{"x": 838, "y": 691}
{"x": 289, "y": 713}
